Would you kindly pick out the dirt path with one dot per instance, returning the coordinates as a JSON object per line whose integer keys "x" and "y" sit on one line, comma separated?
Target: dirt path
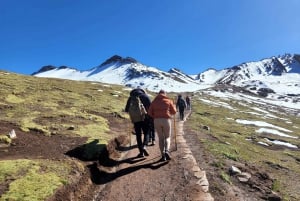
{"x": 149, "y": 179}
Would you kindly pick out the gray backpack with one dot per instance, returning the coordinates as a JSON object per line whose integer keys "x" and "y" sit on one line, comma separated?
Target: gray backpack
{"x": 136, "y": 110}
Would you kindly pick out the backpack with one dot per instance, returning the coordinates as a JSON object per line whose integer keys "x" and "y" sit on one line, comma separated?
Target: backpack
{"x": 136, "y": 110}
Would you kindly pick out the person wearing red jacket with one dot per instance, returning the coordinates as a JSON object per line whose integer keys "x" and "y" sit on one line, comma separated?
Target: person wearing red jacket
{"x": 161, "y": 110}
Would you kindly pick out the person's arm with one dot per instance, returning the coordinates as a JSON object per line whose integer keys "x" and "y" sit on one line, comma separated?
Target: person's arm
{"x": 150, "y": 111}
{"x": 177, "y": 103}
{"x": 147, "y": 103}
{"x": 127, "y": 105}
{"x": 172, "y": 108}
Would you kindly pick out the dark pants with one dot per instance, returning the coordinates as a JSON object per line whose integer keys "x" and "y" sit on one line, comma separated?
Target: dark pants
{"x": 181, "y": 113}
{"x": 151, "y": 130}
{"x": 139, "y": 127}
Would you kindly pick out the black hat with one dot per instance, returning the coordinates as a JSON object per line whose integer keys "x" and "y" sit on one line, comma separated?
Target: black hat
{"x": 162, "y": 91}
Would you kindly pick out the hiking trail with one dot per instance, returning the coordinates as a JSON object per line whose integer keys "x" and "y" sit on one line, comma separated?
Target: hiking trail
{"x": 148, "y": 178}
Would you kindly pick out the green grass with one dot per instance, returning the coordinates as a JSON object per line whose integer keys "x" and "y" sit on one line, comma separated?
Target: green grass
{"x": 5, "y": 139}
{"x": 229, "y": 140}
{"x": 276, "y": 185}
{"x": 34, "y": 180}
{"x": 225, "y": 177}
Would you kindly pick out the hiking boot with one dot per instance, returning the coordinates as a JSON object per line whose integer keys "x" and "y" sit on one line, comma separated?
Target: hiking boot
{"x": 145, "y": 152}
{"x": 167, "y": 155}
{"x": 163, "y": 158}
{"x": 140, "y": 155}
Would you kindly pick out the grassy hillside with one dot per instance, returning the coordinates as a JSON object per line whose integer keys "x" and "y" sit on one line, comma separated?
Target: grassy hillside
{"x": 38, "y": 104}
{"x": 52, "y": 107}
{"x": 235, "y": 143}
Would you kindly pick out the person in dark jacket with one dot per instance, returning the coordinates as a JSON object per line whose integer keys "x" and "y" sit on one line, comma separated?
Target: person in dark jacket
{"x": 181, "y": 105}
{"x": 143, "y": 125}
{"x": 188, "y": 102}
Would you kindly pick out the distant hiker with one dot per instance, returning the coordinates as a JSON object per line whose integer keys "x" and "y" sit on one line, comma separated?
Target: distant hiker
{"x": 137, "y": 106}
{"x": 181, "y": 105}
{"x": 161, "y": 110}
{"x": 188, "y": 102}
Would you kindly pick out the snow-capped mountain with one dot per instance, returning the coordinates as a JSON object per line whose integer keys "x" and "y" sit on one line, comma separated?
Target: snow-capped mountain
{"x": 279, "y": 75}
{"x": 129, "y": 72}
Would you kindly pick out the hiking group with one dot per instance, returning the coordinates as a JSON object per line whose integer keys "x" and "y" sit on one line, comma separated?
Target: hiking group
{"x": 153, "y": 117}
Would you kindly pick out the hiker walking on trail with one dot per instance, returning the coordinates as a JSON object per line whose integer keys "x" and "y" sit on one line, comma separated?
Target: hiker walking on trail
{"x": 188, "y": 102}
{"x": 137, "y": 106}
{"x": 161, "y": 110}
{"x": 181, "y": 105}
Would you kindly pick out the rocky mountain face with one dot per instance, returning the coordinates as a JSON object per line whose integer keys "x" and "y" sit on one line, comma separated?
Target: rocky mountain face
{"x": 279, "y": 75}
{"x": 275, "y": 66}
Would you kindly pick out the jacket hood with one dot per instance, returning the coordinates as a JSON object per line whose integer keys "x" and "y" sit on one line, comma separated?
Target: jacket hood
{"x": 137, "y": 92}
{"x": 161, "y": 96}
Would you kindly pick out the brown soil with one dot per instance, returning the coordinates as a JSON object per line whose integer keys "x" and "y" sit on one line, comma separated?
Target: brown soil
{"x": 119, "y": 175}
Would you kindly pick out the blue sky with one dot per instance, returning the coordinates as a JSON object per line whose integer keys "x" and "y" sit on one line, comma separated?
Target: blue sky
{"x": 190, "y": 35}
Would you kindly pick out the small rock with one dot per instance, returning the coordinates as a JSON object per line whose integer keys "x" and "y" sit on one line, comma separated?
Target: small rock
{"x": 274, "y": 197}
{"x": 71, "y": 128}
{"x": 234, "y": 170}
{"x": 244, "y": 177}
{"x": 12, "y": 134}
{"x": 206, "y": 128}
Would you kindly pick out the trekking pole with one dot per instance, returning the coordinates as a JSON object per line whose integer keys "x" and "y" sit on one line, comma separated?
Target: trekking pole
{"x": 175, "y": 133}
{"x": 129, "y": 132}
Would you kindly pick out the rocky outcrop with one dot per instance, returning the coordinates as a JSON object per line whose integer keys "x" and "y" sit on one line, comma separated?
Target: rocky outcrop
{"x": 117, "y": 58}
{"x": 44, "y": 69}
{"x": 264, "y": 92}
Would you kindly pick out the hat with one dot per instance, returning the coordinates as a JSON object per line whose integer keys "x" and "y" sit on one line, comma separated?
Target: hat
{"x": 162, "y": 92}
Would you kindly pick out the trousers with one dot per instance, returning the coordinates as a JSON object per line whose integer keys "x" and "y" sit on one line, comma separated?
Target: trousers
{"x": 163, "y": 130}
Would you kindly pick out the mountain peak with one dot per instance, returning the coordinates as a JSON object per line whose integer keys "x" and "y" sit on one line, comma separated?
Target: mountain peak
{"x": 44, "y": 69}
{"x": 117, "y": 58}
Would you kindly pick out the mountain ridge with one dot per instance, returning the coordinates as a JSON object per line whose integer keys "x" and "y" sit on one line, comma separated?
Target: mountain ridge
{"x": 279, "y": 75}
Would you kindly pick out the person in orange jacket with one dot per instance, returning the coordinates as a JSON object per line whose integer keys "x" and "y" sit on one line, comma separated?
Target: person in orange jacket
{"x": 161, "y": 110}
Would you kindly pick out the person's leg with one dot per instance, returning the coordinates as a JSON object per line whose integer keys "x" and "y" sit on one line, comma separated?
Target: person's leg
{"x": 152, "y": 131}
{"x": 153, "y": 136}
{"x": 181, "y": 114}
{"x": 159, "y": 130}
{"x": 145, "y": 128}
{"x": 146, "y": 131}
{"x": 138, "y": 133}
{"x": 167, "y": 134}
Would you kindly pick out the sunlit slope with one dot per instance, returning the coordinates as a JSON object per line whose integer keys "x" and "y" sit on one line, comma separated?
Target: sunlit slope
{"x": 57, "y": 106}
